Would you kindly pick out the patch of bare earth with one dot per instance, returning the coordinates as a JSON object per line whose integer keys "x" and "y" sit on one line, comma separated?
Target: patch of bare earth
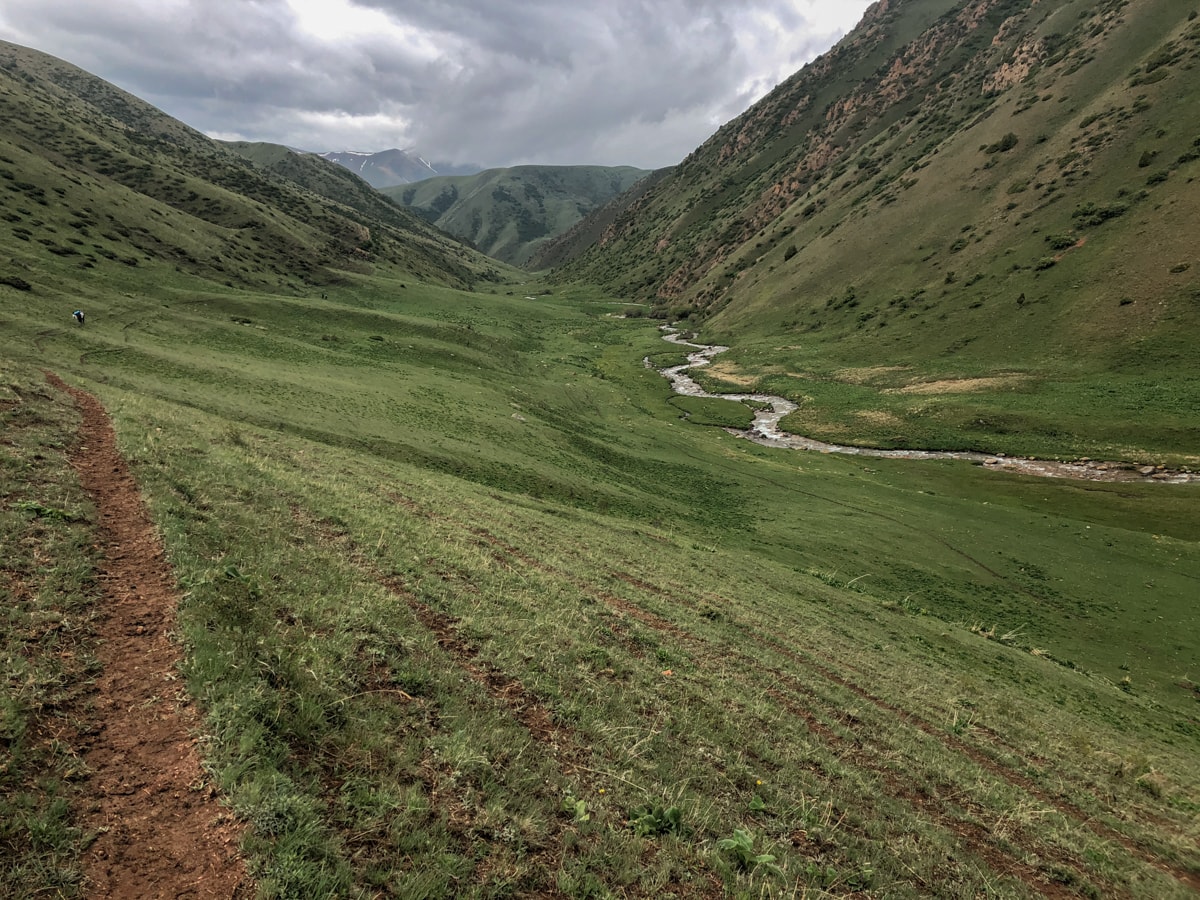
{"x": 160, "y": 828}
{"x": 961, "y": 385}
{"x": 730, "y": 373}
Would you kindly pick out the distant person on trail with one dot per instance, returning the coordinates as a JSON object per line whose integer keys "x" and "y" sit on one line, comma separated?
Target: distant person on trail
{"x": 78, "y": 314}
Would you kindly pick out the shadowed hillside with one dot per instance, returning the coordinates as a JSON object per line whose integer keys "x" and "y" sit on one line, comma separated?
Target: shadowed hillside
{"x": 510, "y": 213}
{"x": 575, "y": 240}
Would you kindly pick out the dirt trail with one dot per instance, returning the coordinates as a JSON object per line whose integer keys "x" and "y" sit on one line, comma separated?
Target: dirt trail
{"x": 161, "y": 830}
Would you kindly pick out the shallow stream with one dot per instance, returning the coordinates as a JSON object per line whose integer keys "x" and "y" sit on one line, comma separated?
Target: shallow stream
{"x": 765, "y": 430}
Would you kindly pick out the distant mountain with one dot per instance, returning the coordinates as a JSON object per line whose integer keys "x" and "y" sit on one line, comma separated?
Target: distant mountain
{"x": 388, "y": 168}
{"x": 97, "y": 178}
{"x": 327, "y": 179}
{"x": 509, "y": 213}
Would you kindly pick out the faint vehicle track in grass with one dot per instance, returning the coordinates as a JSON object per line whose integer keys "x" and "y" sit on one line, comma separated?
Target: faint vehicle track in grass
{"x": 159, "y": 831}
{"x": 951, "y": 742}
{"x": 522, "y": 704}
{"x": 1185, "y": 876}
{"x": 508, "y": 693}
{"x": 1017, "y": 779}
{"x": 973, "y": 837}
{"x": 975, "y": 754}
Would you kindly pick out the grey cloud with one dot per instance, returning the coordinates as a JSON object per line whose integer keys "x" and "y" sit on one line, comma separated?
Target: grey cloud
{"x": 592, "y": 81}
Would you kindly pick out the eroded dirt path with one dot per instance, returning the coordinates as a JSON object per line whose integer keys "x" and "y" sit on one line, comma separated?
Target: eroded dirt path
{"x": 161, "y": 830}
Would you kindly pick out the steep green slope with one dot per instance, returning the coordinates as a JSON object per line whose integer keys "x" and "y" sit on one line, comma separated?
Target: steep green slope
{"x": 556, "y": 251}
{"x": 95, "y": 179}
{"x": 959, "y": 191}
{"x": 509, "y": 213}
{"x": 329, "y": 180}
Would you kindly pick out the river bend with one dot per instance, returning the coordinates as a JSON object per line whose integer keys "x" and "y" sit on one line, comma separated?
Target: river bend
{"x": 765, "y": 430}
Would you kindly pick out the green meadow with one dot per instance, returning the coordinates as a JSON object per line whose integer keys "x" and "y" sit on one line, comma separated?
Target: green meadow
{"x": 475, "y": 607}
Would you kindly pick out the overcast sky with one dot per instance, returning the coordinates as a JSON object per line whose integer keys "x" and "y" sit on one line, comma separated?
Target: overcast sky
{"x": 490, "y": 82}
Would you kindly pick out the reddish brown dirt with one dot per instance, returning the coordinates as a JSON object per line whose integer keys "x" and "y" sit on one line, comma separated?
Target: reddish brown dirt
{"x": 161, "y": 831}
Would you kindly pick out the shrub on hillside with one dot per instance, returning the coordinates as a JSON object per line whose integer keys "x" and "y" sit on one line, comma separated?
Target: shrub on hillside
{"x": 1003, "y": 145}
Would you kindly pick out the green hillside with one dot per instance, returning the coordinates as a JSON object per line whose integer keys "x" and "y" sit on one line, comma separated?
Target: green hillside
{"x": 96, "y": 179}
{"x": 971, "y": 224}
{"x": 329, "y": 180}
{"x": 470, "y": 604}
{"x": 509, "y": 213}
{"x": 471, "y": 610}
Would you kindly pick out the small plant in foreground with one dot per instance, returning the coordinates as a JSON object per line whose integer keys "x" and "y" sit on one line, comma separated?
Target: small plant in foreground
{"x": 654, "y": 819}
{"x": 740, "y": 848}
{"x": 576, "y": 809}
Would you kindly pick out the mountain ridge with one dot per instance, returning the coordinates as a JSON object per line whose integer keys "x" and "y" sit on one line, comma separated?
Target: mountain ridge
{"x": 952, "y": 192}
{"x": 389, "y": 168}
{"x": 508, "y": 213}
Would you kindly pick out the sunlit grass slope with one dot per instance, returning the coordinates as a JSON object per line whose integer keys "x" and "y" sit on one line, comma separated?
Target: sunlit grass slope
{"x": 474, "y": 610}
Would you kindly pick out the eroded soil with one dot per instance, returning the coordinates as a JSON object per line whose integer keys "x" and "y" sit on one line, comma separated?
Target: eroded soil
{"x": 160, "y": 828}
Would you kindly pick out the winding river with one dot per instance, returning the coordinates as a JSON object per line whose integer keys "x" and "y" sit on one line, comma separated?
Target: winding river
{"x": 765, "y": 430}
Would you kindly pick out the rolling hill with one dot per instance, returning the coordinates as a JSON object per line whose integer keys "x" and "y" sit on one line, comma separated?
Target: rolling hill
{"x": 98, "y": 179}
{"x": 509, "y": 213}
{"x": 995, "y": 197}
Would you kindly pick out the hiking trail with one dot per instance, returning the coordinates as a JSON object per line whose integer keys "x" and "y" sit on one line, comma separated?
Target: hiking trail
{"x": 160, "y": 828}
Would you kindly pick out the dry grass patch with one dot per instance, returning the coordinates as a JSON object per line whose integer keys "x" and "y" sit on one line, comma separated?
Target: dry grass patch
{"x": 880, "y": 418}
{"x": 730, "y": 372}
{"x": 809, "y": 421}
{"x": 867, "y": 374}
{"x": 962, "y": 385}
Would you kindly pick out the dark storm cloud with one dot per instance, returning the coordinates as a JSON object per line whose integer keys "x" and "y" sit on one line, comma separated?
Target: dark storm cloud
{"x": 498, "y": 83}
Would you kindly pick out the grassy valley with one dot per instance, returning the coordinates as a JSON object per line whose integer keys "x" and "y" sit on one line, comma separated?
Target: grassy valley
{"x": 966, "y": 226}
{"x": 473, "y": 606}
